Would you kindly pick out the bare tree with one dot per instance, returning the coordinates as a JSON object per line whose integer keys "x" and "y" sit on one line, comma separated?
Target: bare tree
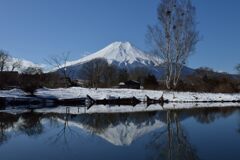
{"x": 109, "y": 76}
{"x": 94, "y": 71}
{"x": 4, "y": 58}
{"x": 7, "y": 63}
{"x": 174, "y": 37}
{"x": 17, "y": 64}
{"x": 59, "y": 62}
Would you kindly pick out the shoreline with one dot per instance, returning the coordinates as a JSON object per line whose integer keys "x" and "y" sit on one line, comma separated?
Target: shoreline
{"x": 77, "y": 96}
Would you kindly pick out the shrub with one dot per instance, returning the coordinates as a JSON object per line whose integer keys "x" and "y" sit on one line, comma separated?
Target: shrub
{"x": 30, "y": 83}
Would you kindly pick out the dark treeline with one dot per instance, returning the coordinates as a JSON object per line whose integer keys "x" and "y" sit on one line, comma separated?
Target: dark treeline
{"x": 206, "y": 80}
{"x": 99, "y": 74}
{"x": 202, "y": 80}
{"x": 30, "y": 82}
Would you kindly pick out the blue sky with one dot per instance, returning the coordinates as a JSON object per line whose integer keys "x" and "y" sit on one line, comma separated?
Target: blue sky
{"x": 36, "y": 29}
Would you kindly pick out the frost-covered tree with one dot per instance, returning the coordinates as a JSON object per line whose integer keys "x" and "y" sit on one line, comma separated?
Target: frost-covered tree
{"x": 174, "y": 37}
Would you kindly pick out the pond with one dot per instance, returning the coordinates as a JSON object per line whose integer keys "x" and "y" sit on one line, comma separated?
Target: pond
{"x": 208, "y": 133}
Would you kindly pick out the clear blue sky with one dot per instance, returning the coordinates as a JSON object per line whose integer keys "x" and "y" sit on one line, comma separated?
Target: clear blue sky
{"x": 36, "y": 29}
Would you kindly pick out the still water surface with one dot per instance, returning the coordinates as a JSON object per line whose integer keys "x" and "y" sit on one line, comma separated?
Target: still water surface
{"x": 210, "y": 133}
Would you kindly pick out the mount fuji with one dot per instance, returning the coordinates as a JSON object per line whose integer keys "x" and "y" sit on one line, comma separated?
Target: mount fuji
{"x": 125, "y": 56}
{"x": 121, "y": 54}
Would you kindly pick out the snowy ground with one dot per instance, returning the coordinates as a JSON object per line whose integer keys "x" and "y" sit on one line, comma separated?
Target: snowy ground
{"x": 178, "y": 99}
{"x": 78, "y": 92}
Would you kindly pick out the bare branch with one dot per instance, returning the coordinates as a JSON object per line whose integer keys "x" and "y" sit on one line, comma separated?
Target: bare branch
{"x": 4, "y": 58}
{"x": 17, "y": 64}
{"x": 174, "y": 38}
{"x": 59, "y": 63}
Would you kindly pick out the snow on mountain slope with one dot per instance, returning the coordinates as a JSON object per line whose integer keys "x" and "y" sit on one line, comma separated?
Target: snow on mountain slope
{"x": 125, "y": 56}
{"x": 122, "y": 53}
{"x": 24, "y": 64}
{"x": 123, "y": 132}
{"x": 126, "y": 133}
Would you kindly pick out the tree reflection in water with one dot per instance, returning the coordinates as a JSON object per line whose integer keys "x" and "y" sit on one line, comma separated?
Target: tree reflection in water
{"x": 209, "y": 115}
{"x": 31, "y": 124}
{"x": 172, "y": 143}
{"x": 6, "y": 122}
{"x": 62, "y": 136}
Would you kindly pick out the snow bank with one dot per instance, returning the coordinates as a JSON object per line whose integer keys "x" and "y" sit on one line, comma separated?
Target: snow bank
{"x": 78, "y": 92}
{"x": 14, "y": 93}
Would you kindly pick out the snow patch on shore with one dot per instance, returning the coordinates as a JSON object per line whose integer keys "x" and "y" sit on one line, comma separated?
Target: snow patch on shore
{"x": 79, "y": 92}
{"x": 76, "y": 92}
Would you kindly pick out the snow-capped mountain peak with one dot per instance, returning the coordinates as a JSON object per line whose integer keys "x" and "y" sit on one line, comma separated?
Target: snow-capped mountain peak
{"x": 120, "y": 53}
{"x": 123, "y": 55}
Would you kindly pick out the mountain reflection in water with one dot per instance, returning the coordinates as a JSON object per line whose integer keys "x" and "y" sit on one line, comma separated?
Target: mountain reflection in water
{"x": 151, "y": 135}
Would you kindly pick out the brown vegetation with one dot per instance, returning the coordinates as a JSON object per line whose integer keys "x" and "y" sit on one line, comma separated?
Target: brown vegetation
{"x": 209, "y": 81}
{"x": 203, "y": 80}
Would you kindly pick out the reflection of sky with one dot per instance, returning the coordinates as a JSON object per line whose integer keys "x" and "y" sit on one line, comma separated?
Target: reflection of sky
{"x": 219, "y": 137}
